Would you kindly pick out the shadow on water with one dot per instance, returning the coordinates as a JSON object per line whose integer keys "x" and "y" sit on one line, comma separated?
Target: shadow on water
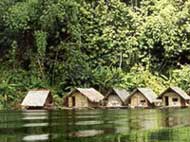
{"x": 169, "y": 125}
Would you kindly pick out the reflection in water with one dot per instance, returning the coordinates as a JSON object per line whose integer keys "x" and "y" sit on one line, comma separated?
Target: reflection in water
{"x": 95, "y": 122}
{"x": 86, "y": 116}
{"x": 41, "y": 137}
{"x": 176, "y": 118}
{"x": 171, "y": 125}
{"x": 34, "y": 113}
{"x": 86, "y": 133}
{"x": 34, "y": 117}
{"x": 35, "y": 125}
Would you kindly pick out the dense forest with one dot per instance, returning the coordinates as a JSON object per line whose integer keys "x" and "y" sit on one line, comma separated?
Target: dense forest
{"x": 62, "y": 44}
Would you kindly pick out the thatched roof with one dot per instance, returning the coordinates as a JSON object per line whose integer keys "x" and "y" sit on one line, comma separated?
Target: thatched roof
{"x": 178, "y": 91}
{"x": 92, "y": 94}
{"x": 36, "y": 98}
{"x": 148, "y": 93}
{"x": 123, "y": 94}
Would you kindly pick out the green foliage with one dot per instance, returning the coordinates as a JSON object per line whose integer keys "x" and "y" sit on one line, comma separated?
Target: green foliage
{"x": 106, "y": 77}
{"x": 41, "y": 43}
{"x": 19, "y": 16}
{"x": 141, "y": 77}
{"x": 181, "y": 77}
{"x": 63, "y": 44}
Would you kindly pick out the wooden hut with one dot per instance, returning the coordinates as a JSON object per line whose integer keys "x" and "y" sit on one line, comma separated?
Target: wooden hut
{"x": 116, "y": 97}
{"x": 83, "y": 98}
{"x": 174, "y": 97}
{"x": 142, "y": 97}
{"x": 38, "y": 99}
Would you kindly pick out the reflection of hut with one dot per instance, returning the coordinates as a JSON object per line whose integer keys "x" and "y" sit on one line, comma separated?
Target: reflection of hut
{"x": 116, "y": 97}
{"x": 86, "y": 133}
{"x": 174, "y": 97}
{"x": 142, "y": 97}
{"x": 38, "y": 99}
{"x": 83, "y": 97}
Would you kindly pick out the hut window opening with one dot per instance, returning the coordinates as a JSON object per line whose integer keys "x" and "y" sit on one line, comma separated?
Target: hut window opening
{"x": 142, "y": 102}
{"x": 175, "y": 99}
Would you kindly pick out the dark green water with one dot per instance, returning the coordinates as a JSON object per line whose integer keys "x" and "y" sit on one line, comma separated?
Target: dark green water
{"x": 172, "y": 125}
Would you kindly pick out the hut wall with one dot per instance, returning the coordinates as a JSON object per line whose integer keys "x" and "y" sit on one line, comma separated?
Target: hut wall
{"x": 113, "y": 100}
{"x": 173, "y": 100}
{"x": 93, "y": 105}
{"x": 138, "y": 100}
{"x": 79, "y": 100}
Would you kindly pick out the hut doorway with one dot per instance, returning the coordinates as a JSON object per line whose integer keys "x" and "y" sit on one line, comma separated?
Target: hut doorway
{"x": 166, "y": 100}
{"x": 73, "y": 101}
{"x": 134, "y": 101}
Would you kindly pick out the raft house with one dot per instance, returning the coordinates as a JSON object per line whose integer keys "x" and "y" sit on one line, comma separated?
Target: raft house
{"x": 83, "y": 98}
{"x": 143, "y": 98}
{"x": 174, "y": 97}
{"x": 116, "y": 97}
{"x": 38, "y": 99}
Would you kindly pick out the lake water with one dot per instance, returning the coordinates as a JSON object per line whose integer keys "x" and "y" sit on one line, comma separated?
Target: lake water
{"x": 171, "y": 125}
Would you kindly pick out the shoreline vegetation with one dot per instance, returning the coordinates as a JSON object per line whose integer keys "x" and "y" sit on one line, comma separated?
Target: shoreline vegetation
{"x": 64, "y": 44}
